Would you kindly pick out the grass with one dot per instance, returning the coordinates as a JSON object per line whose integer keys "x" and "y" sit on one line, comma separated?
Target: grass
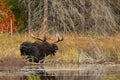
{"x": 72, "y": 49}
{"x": 111, "y": 78}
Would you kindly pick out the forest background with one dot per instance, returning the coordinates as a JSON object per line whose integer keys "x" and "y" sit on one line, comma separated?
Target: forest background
{"x": 65, "y": 16}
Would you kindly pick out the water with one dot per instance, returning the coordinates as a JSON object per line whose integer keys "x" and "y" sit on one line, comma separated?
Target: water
{"x": 66, "y": 72}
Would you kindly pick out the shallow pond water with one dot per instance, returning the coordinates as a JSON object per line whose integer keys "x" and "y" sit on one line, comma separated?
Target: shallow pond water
{"x": 66, "y": 72}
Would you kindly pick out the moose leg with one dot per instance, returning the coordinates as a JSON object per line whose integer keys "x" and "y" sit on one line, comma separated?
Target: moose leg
{"x": 41, "y": 60}
{"x": 35, "y": 54}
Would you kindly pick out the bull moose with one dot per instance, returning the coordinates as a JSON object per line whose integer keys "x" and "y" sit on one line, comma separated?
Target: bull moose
{"x": 38, "y": 50}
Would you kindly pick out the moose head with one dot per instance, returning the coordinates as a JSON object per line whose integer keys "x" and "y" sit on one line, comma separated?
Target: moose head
{"x": 39, "y": 49}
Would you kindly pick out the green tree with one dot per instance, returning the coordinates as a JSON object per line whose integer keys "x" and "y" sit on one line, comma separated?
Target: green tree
{"x": 19, "y": 10}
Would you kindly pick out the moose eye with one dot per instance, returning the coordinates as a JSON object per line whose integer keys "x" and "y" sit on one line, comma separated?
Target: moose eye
{"x": 55, "y": 46}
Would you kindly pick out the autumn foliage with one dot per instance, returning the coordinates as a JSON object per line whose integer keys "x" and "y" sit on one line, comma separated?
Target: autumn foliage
{"x": 7, "y": 19}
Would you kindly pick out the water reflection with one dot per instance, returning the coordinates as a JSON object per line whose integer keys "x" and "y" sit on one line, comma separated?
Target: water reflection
{"x": 64, "y": 72}
{"x": 73, "y": 72}
{"x": 37, "y": 73}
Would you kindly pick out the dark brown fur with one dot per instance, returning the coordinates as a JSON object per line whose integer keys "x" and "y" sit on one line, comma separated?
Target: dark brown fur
{"x": 38, "y": 50}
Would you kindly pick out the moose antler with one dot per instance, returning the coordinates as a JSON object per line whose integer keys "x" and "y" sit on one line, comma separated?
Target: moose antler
{"x": 44, "y": 40}
{"x": 59, "y": 39}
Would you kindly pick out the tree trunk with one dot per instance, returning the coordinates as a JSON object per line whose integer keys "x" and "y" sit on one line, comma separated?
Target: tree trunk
{"x": 45, "y": 14}
{"x": 11, "y": 26}
{"x": 29, "y": 16}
